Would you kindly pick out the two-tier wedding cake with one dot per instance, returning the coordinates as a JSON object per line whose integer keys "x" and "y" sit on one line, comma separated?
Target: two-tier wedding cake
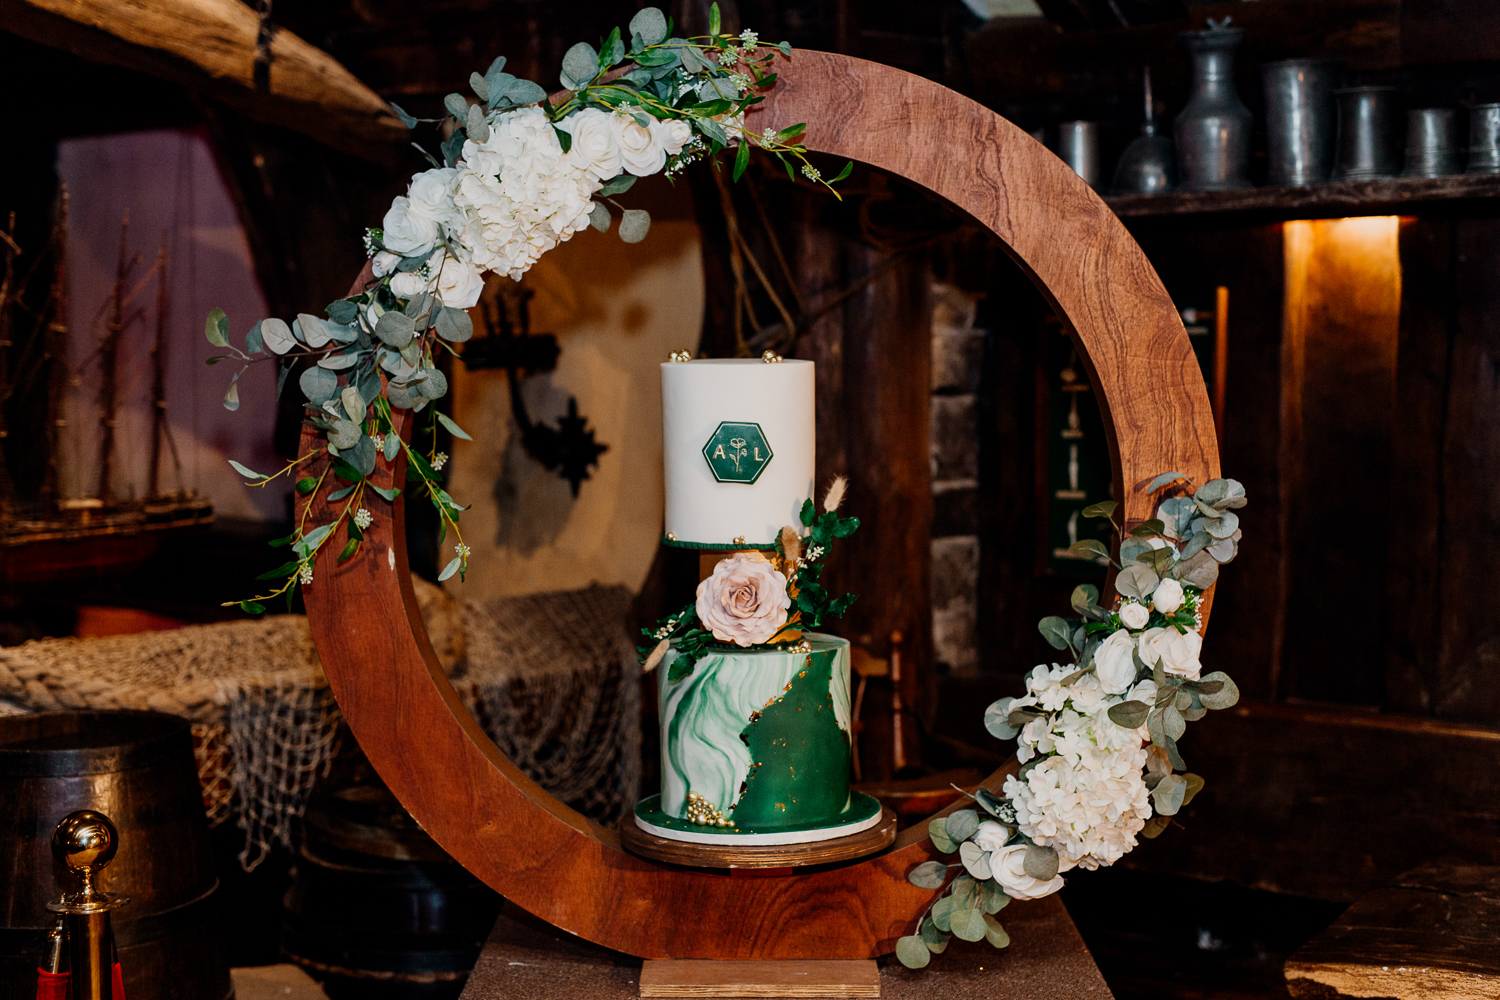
{"x": 755, "y": 707}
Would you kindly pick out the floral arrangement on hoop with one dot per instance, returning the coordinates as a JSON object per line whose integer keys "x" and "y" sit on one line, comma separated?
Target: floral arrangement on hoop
{"x": 754, "y": 600}
{"x": 1097, "y": 737}
{"x": 518, "y": 175}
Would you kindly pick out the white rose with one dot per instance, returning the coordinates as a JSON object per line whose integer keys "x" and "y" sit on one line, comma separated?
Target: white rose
{"x": 991, "y": 836}
{"x": 459, "y": 284}
{"x": 1144, "y": 692}
{"x": 1114, "y": 662}
{"x": 675, "y": 134}
{"x": 408, "y": 284}
{"x": 595, "y": 148}
{"x": 1008, "y": 865}
{"x": 384, "y": 262}
{"x": 431, "y": 195}
{"x": 1168, "y": 596}
{"x": 406, "y": 232}
{"x": 1133, "y": 615}
{"x": 1177, "y": 651}
{"x": 641, "y": 150}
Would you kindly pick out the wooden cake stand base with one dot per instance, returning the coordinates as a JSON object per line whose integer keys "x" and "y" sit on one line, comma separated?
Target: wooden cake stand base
{"x": 821, "y": 852}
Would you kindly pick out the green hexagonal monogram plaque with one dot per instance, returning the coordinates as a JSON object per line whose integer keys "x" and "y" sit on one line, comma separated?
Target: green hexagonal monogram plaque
{"x": 737, "y": 452}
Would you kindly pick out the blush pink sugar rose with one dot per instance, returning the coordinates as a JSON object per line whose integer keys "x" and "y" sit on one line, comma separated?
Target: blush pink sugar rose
{"x": 744, "y": 600}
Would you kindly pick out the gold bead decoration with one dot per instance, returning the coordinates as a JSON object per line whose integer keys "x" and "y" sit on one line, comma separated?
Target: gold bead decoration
{"x": 771, "y": 358}
{"x": 671, "y": 537}
{"x": 702, "y": 812}
{"x": 680, "y": 356}
{"x": 739, "y": 540}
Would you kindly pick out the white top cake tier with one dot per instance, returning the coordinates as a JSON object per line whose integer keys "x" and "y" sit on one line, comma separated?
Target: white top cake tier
{"x": 739, "y": 448}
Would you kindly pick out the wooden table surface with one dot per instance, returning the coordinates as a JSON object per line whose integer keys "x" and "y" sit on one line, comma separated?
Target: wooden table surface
{"x": 525, "y": 959}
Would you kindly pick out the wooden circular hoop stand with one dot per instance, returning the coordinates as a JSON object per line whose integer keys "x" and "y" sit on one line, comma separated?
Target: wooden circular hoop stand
{"x": 573, "y": 873}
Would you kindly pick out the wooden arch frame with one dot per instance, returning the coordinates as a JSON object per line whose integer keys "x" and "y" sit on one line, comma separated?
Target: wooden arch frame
{"x": 572, "y": 872}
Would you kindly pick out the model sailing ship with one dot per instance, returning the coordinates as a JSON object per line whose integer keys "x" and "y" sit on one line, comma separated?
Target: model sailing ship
{"x": 42, "y": 532}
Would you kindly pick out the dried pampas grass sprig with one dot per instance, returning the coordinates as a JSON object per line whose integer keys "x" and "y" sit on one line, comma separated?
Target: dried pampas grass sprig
{"x": 835, "y": 494}
{"x": 657, "y": 655}
{"x": 791, "y": 545}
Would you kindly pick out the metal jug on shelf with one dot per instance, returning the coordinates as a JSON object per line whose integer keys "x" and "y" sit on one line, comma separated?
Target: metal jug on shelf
{"x": 1213, "y": 129}
{"x": 1147, "y": 165}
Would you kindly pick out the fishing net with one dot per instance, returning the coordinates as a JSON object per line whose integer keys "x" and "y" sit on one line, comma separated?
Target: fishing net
{"x": 552, "y": 678}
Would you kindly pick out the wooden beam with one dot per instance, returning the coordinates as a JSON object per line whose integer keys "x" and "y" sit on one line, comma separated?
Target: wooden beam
{"x": 209, "y": 47}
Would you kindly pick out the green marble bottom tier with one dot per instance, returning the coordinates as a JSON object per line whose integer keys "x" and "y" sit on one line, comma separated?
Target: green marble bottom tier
{"x": 761, "y": 736}
{"x": 863, "y": 813}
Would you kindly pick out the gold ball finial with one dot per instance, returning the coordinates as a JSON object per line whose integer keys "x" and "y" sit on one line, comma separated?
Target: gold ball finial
{"x": 771, "y": 358}
{"x": 85, "y": 842}
{"x": 680, "y": 356}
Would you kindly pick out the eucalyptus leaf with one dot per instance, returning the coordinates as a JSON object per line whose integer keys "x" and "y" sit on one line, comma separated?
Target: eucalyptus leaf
{"x": 1104, "y": 508}
{"x": 1129, "y": 714}
{"x": 650, "y": 24}
{"x": 479, "y": 86}
{"x": 232, "y": 396}
{"x": 392, "y": 446}
{"x": 1165, "y": 479}
{"x": 1212, "y": 491}
{"x": 994, "y": 933}
{"x": 996, "y": 720}
{"x": 452, "y": 427}
{"x": 353, "y": 403}
{"x": 362, "y": 456}
{"x": 962, "y": 825}
{"x": 1137, "y": 581}
{"x": 477, "y": 127}
{"x": 344, "y": 434}
{"x": 1227, "y": 695}
{"x": 433, "y": 384}
{"x": 395, "y": 329}
{"x": 1088, "y": 548}
{"x": 928, "y": 875}
{"x": 1172, "y": 722}
{"x": 216, "y": 327}
{"x": 1084, "y": 596}
{"x": 1155, "y": 826}
{"x": 340, "y": 360}
{"x": 635, "y": 223}
{"x": 1168, "y": 794}
{"x": 454, "y": 325}
{"x": 1201, "y": 571}
{"x": 1225, "y": 526}
{"x": 1131, "y": 549}
{"x": 318, "y": 384}
{"x": 912, "y": 952}
{"x": 993, "y": 897}
{"x": 933, "y": 937}
{"x": 457, "y": 105}
{"x": 1194, "y": 545}
{"x": 450, "y": 569}
{"x": 937, "y": 831}
{"x": 1040, "y": 862}
{"x": 968, "y": 925}
{"x": 1225, "y": 549}
{"x": 579, "y": 65}
{"x": 976, "y": 861}
{"x": 599, "y": 217}
{"x": 1056, "y": 631}
{"x": 247, "y": 473}
{"x": 253, "y": 341}
{"x": 525, "y": 92}
{"x": 314, "y": 330}
{"x": 619, "y": 185}
{"x": 1146, "y": 529}
{"x": 944, "y": 908}
{"x": 401, "y": 113}
{"x": 277, "y": 335}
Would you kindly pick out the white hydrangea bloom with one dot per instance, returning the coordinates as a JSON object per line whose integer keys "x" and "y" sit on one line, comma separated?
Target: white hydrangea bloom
{"x": 1089, "y": 800}
{"x": 518, "y": 195}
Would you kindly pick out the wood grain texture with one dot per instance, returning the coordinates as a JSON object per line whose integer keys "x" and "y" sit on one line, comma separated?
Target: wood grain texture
{"x": 574, "y": 873}
{"x": 1434, "y": 934}
{"x": 209, "y": 46}
{"x": 820, "y": 852}
{"x": 696, "y": 977}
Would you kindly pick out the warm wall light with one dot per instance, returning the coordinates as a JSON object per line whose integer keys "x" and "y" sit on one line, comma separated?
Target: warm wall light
{"x": 1340, "y": 319}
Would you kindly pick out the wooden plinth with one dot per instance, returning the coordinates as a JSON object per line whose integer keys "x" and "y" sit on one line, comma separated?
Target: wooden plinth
{"x": 822, "y": 852}
{"x": 700, "y": 977}
{"x": 525, "y": 959}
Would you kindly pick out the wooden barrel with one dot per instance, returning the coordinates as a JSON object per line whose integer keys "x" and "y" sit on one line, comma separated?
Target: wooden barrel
{"x": 138, "y": 769}
{"x": 376, "y": 910}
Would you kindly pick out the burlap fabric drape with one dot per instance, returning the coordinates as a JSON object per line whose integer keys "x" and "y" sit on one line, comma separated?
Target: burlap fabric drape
{"x": 552, "y": 678}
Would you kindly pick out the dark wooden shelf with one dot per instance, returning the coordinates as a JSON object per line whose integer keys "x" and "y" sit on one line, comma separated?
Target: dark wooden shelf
{"x": 1315, "y": 201}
